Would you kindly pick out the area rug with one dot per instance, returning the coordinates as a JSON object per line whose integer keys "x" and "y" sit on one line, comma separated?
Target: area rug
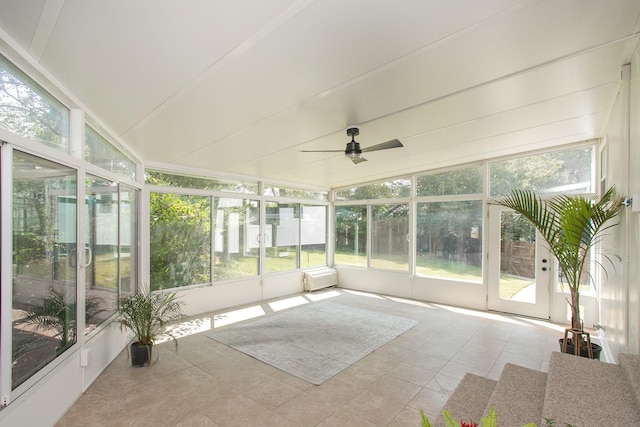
{"x": 316, "y": 341}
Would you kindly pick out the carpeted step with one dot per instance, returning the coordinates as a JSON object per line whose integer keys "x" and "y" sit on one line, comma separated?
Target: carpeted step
{"x": 586, "y": 392}
{"x": 630, "y": 364}
{"x": 518, "y": 396}
{"x": 468, "y": 400}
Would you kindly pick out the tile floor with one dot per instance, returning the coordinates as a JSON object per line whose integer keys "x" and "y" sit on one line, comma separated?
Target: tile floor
{"x": 209, "y": 384}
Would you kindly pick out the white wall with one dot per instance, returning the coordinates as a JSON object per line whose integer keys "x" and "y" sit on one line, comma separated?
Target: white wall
{"x": 401, "y": 284}
{"x": 620, "y": 291}
{"x": 633, "y": 224}
{"x": 240, "y": 292}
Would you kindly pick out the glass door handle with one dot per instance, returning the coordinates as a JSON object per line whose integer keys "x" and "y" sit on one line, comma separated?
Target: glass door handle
{"x": 88, "y": 255}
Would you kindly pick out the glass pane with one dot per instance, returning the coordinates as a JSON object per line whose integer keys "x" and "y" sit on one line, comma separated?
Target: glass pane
{"x": 564, "y": 171}
{"x": 351, "y": 235}
{"x": 449, "y": 240}
{"x": 278, "y": 191}
{"x": 313, "y": 229}
{"x": 128, "y": 240}
{"x": 98, "y": 151}
{"x": 236, "y": 238}
{"x": 44, "y": 265}
{"x": 389, "y": 231}
{"x": 180, "y": 240}
{"x": 460, "y": 181}
{"x": 282, "y": 236}
{"x": 166, "y": 179}
{"x": 100, "y": 256}
{"x": 27, "y": 110}
{"x": 393, "y": 189}
{"x": 517, "y": 258}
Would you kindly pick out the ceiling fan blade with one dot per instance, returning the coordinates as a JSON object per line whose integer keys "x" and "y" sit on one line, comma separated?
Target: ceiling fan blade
{"x": 357, "y": 160}
{"x": 394, "y": 143}
{"x": 322, "y": 151}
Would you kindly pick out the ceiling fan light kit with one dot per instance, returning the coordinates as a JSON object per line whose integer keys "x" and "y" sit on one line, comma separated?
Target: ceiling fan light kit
{"x": 353, "y": 150}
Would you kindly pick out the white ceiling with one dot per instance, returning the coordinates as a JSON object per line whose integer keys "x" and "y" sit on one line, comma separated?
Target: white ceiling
{"x": 240, "y": 87}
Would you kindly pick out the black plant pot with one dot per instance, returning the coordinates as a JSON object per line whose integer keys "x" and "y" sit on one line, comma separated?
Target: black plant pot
{"x": 140, "y": 354}
{"x": 595, "y": 348}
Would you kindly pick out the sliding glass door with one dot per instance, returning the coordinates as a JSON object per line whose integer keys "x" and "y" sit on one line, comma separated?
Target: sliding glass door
{"x": 43, "y": 309}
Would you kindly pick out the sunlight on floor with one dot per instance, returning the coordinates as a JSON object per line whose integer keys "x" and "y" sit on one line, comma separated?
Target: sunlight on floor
{"x": 203, "y": 324}
{"x": 283, "y": 304}
{"x": 481, "y": 314}
{"x": 223, "y": 319}
{"x": 184, "y": 329}
{"x": 410, "y": 302}
{"x": 363, "y": 294}
{"x": 319, "y": 296}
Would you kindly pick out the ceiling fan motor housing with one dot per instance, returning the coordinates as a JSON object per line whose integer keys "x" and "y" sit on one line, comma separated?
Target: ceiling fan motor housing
{"x": 353, "y": 147}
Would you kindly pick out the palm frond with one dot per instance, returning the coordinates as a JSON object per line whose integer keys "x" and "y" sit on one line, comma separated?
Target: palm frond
{"x": 571, "y": 225}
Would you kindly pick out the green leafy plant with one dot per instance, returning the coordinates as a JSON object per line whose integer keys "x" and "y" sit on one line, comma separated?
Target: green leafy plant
{"x": 147, "y": 314}
{"x": 571, "y": 226}
{"x": 489, "y": 420}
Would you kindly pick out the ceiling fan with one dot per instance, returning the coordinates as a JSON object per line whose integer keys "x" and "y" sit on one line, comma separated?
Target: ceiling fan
{"x": 353, "y": 150}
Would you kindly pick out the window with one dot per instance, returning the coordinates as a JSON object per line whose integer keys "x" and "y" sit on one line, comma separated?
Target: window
{"x": 180, "y": 240}
{"x": 390, "y": 236}
{"x": 236, "y": 238}
{"x": 167, "y": 179}
{"x": 282, "y": 236}
{"x": 391, "y": 189}
{"x": 101, "y": 255}
{"x": 294, "y": 193}
{"x": 313, "y": 236}
{"x": 27, "y": 110}
{"x": 44, "y": 266}
{"x": 128, "y": 240}
{"x": 449, "y": 239}
{"x": 109, "y": 256}
{"x": 457, "y": 182}
{"x": 351, "y": 235}
{"x": 98, "y": 151}
{"x": 563, "y": 171}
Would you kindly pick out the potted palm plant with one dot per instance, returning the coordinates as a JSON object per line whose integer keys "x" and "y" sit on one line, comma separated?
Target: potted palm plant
{"x": 146, "y": 315}
{"x": 572, "y": 226}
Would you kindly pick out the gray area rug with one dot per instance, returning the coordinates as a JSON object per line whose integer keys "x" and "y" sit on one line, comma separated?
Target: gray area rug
{"x": 316, "y": 341}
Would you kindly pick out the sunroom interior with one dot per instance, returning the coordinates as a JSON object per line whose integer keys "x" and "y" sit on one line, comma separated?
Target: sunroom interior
{"x": 199, "y": 149}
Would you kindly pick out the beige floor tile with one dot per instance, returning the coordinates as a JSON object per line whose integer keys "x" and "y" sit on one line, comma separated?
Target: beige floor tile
{"x": 306, "y": 409}
{"x": 374, "y": 407}
{"x": 407, "y": 417}
{"x": 395, "y": 388}
{"x": 344, "y": 418}
{"x": 238, "y": 410}
{"x": 413, "y": 374}
{"x": 272, "y": 392}
{"x": 197, "y": 420}
{"x": 208, "y": 384}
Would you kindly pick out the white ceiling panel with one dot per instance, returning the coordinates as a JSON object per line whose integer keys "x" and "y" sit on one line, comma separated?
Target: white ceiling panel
{"x": 239, "y": 88}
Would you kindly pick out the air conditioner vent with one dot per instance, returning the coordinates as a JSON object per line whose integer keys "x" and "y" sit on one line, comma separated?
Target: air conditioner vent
{"x": 319, "y": 278}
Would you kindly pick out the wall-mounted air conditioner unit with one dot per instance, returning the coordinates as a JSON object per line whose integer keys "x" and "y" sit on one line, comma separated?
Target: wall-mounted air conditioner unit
{"x": 320, "y": 278}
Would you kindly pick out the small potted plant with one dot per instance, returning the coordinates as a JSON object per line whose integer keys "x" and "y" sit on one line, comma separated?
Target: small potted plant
{"x": 146, "y": 316}
{"x": 572, "y": 226}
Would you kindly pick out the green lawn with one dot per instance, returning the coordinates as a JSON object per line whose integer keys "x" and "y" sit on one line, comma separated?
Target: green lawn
{"x": 106, "y": 268}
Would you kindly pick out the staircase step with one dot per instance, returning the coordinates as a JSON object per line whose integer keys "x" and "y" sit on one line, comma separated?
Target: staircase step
{"x": 469, "y": 399}
{"x": 518, "y": 396}
{"x": 630, "y": 364}
{"x": 586, "y": 392}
